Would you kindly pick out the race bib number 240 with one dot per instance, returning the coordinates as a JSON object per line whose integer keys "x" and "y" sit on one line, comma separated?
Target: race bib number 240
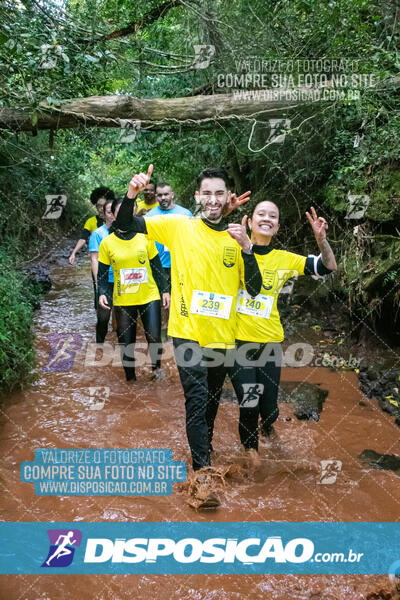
{"x": 260, "y": 306}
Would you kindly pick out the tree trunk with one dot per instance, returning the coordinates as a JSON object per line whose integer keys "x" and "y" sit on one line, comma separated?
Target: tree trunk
{"x": 153, "y": 113}
{"x": 163, "y": 113}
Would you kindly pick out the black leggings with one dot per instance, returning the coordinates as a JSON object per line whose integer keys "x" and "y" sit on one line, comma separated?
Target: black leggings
{"x": 255, "y": 377}
{"x": 127, "y": 317}
{"x": 103, "y": 316}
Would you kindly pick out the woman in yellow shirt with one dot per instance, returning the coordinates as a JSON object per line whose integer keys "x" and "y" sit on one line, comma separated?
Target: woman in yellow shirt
{"x": 256, "y": 372}
{"x": 138, "y": 282}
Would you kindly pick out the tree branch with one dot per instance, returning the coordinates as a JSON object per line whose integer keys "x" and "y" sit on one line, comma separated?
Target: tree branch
{"x": 152, "y": 16}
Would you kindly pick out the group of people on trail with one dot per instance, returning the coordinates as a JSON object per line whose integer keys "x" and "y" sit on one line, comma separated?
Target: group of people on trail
{"x": 224, "y": 289}
{"x": 131, "y": 274}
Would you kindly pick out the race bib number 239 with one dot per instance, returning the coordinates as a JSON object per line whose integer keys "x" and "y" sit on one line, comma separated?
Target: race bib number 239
{"x": 211, "y": 305}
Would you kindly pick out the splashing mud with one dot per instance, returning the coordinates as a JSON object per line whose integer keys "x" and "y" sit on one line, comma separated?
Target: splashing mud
{"x": 58, "y": 411}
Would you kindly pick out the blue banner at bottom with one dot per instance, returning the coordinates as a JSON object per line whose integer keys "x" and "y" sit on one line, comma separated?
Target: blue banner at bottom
{"x": 210, "y": 548}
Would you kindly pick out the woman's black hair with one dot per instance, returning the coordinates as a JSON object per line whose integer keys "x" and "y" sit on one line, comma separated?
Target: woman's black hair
{"x": 260, "y": 202}
{"x": 116, "y": 202}
{"x": 101, "y": 192}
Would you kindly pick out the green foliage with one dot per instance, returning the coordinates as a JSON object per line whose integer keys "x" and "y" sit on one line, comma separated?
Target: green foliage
{"x": 17, "y": 357}
{"x": 391, "y": 277}
{"x": 27, "y": 177}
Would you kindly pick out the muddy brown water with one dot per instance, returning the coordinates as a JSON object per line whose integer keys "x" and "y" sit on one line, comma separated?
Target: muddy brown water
{"x": 55, "y": 413}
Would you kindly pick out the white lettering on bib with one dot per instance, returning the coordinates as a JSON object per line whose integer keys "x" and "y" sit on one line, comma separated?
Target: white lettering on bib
{"x": 260, "y": 306}
{"x": 210, "y": 304}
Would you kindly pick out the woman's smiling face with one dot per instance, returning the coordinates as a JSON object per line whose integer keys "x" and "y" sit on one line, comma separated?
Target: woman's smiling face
{"x": 265, "y": 219}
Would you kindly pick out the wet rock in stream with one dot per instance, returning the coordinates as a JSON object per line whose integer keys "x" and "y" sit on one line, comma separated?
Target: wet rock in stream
{"x": 308, "y": 398}
{"x": 38, "y": 275}
{"x": 386, "y": 462}
{"x": 384, "y": 385}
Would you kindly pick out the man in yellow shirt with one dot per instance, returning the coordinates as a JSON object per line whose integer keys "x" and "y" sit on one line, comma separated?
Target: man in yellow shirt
{"x": 207, "y": 265}
{"x": 149, "y": 199}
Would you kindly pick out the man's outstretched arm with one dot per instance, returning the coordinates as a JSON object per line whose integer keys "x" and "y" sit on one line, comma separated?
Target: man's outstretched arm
{"x": 125, "y": 219}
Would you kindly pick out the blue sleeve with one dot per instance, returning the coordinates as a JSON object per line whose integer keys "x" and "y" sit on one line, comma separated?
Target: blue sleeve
{"x": 160, "y": 248}
{"x": 94, "y": 242}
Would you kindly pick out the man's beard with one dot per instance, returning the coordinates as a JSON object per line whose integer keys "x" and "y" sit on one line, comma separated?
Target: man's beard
{"x": 165, "y": 205}
{"x": 212, "y": 217}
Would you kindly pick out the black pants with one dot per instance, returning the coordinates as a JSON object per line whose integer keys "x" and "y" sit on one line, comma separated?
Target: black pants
{"x": 127, "y": 317}
{"x": 103, "y": 316}
{"x": 255, "y": 377}
{"x": 96, "y": 296}
{"x": 202, "y": 386}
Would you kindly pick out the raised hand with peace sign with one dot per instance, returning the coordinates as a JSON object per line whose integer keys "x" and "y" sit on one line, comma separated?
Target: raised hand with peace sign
{"x": 139, "y": 182}
{"x": 318, "y": 224}
{"x": 236, "y": 201}
{"x": 319, "y": 227}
